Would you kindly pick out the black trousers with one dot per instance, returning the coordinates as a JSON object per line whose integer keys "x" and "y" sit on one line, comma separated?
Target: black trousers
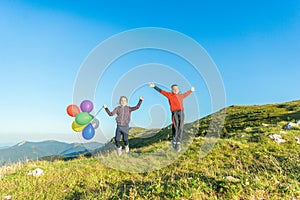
{"x": 121, "y": 130}
{"x": 177, "y": 125}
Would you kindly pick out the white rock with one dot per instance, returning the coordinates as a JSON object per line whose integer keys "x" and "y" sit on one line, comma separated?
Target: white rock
{"x": 297, "y": 139}
{"x": 7, "y": 197}
{"x": 232, "y": 179}
{"x": 266, "y": 125}
{"x": 37, "y": 172}
{"x": 277, "y": 138}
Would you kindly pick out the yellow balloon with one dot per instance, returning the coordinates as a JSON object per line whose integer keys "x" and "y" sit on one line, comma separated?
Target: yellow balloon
{"x": 76, "y": 127}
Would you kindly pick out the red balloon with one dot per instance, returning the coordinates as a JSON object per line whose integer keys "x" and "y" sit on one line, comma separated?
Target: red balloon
{"x": 73, "y": 110}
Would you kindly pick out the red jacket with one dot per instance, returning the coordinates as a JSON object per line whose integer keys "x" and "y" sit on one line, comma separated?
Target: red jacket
{"x": 175, "y": 100}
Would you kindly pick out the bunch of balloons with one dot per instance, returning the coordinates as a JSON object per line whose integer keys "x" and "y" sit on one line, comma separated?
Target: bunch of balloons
{"x": 84, "y": 121}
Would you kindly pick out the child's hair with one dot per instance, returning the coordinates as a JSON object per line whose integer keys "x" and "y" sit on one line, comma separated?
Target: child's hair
{"x": 173, "y": 86}
{"x": 122, "y": 98}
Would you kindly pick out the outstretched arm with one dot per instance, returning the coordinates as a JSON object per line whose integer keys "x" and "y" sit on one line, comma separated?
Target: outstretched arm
{"x": 108, "y": 111}
{"x": 138, "y": 105}
{"x": 152, "y": 85}
{"x": 158, "y": 89}
{"x": 188, "y": 92}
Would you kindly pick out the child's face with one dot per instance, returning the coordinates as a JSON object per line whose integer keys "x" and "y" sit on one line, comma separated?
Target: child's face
{"x": 175, "y": 89}
{"x": 123, "y": 101}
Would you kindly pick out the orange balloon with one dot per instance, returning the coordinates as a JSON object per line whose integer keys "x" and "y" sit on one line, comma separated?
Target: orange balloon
{"x": 73, "y": 110}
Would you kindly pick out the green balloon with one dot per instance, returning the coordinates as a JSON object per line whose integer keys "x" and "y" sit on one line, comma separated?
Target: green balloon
{"x": 83, "y": 118}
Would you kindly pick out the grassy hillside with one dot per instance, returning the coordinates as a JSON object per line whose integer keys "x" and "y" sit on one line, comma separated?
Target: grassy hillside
{"x": 244, "y": 164}
{"x": 240, "y": 117}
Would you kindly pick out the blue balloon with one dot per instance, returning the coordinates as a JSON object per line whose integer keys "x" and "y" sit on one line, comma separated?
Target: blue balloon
{"x": 88, "y": 132}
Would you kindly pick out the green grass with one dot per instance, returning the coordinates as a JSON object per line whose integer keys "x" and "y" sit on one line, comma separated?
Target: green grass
{"x": 264, "y": 169}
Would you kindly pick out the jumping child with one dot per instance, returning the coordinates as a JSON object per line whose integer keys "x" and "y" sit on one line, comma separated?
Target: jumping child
{"x": 123, "y": 118}
{"x": 176, "y": 107}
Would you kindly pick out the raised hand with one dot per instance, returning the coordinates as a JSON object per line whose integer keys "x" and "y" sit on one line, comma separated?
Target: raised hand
{"x": 141, "y": 98}
{"x": 192, "y": 89}
{"x": 104, "y": 106}
{"x": 152, "y": 84}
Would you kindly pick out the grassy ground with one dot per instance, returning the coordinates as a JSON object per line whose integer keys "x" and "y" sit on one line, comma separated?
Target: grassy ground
{"x": 262, "y": 169}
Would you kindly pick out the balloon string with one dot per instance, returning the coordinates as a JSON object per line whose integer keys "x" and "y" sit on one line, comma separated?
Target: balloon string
{"x": 98, "y": 112}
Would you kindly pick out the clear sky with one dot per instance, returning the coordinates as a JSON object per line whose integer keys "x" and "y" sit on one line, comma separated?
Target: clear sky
{"x": 255, "y": 45}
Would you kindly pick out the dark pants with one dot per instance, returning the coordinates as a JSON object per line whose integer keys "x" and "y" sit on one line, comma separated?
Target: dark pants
{"x": 121, "y": 130}
{"x": 177, "y": 125}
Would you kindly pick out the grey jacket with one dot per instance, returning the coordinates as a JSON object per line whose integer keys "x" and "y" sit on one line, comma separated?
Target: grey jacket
{"x": 123, "y": 113}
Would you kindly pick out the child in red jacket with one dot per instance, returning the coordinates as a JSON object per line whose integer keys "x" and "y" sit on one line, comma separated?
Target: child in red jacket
{"x": 123, "y": 113}
{"x": 177, "y": 109}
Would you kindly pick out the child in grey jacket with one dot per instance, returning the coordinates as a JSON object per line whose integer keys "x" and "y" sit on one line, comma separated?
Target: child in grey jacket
{"x": 123, "y": 113}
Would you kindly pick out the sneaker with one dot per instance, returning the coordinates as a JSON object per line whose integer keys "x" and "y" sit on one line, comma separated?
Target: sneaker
{"x": 178, "y": 147}
{"x": 127, "y": 149}
{"x": 173, "y": 144}
{"x": 119, "y": 151}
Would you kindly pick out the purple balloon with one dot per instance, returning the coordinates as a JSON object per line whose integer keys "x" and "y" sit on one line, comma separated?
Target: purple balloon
{"x": 86, "y": 106}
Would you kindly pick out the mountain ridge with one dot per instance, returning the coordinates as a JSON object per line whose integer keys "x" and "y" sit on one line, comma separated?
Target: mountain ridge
{"x": 28, "y": 150}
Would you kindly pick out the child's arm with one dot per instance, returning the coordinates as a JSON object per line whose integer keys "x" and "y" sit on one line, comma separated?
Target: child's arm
{"x": 188, "y": 92}
{"x": 138, "y": 105}
{"x": 108, "y": 111}
{"x": 159, "y": 90}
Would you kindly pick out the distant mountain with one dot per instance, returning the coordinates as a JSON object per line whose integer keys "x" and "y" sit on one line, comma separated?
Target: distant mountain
{"x": 33, "y": 150}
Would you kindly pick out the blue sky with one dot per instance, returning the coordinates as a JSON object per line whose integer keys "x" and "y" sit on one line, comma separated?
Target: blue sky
{"x": 255, "y": 45}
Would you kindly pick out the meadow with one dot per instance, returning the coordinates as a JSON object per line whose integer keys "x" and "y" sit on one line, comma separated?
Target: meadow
{"x": 244, "y": 164}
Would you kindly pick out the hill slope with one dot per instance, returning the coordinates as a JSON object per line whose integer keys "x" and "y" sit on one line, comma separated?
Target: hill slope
{"x": 244, "y": 164}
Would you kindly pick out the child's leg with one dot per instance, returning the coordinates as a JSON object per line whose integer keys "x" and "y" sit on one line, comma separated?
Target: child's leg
{"x": 118, "y": 137}
{"x": 173, "y": 127}
{"x": 180, "y": 125}
{"x": 125, "y": 131}
{"x": 175, "y": 120}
